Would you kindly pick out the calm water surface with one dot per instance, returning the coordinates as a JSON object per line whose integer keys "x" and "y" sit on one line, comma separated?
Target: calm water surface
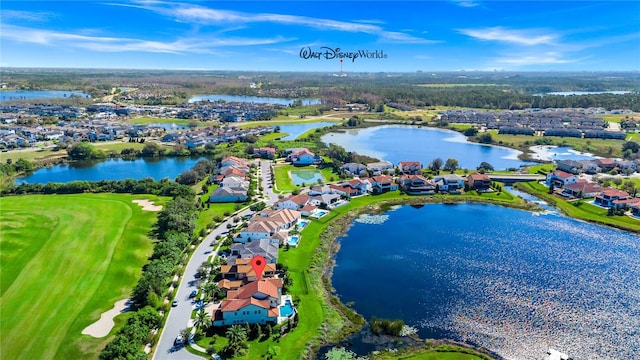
{"x": 512, "y": 281}
{"x": 397, "y": 143}
{"x": 295, "y": 130}
{"x": 37, "y": 94}
{"x": 112, "y": 169}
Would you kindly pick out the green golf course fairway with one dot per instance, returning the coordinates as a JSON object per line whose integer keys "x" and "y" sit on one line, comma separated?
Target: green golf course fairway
{"x": 65, "y": 260}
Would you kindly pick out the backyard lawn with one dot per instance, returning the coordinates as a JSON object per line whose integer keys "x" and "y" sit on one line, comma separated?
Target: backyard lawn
{"x": 65, "y": 260}
{"x": 284, "y": 182}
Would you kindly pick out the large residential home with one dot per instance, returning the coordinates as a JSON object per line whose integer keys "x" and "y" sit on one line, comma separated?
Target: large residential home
{"x": 226, "y": 284}
{"x": 609, "y": 196}
{"x": 228, "y": 194}
{"x": 286, "y": 218}
{"x": 353, "y": 187}
{"x": 262, "y": 247}
{"x": 233, "y": 160}
{"x": 582, "y": 189}
{"x": 254, "y": 303}
{"x": 589, "y": 166}
{"x": 319, "y": 190}
{"x": 234, "y": 181}
{"x": 625, "y": 203}
{"x": 377, "y": 168}
{"x": 293, "y": 202}
{"x": 354, "y": 169}
{"x": 382, "y": 183}
{"x": 242, "y": 270}
{"x": 265, "y": 152}
{"x": 324, "y": 200}
{"x": 560, "y": 179}
{"x": 417, "y": 185}
{"x": 410, "y": 167}
{"x": 635, "y": 210}
{"x": 570, "y": 166}
{"x": 477, "y": 181}
{"x": 257, "y": 230}
{"x": 450, "y": 183}
{"x": 627, "y": 165}
{"x": 303, "y": 157}
{"x": 606, "y": 164}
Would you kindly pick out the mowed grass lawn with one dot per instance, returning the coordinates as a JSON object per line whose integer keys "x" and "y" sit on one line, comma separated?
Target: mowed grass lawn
{"x": 65, "y": 260}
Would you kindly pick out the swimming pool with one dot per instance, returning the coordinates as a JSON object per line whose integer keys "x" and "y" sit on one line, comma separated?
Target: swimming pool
{"x": 302, "y": 224}
{"x": 286, "y": 310}
{"x": 293, "y": 240}
{"x": 319, "y": 214}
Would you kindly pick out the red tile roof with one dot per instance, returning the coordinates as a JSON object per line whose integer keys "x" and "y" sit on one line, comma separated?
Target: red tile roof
{"x": 265, "y": 286}
{"x": 562, "y": 174}
{"x": 479, "y": 177}
{"x": 611, "y": 192}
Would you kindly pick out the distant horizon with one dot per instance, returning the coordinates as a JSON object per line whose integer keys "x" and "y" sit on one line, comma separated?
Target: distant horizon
{"x": 317, "y": 36}
{"x": 419, "y": 71}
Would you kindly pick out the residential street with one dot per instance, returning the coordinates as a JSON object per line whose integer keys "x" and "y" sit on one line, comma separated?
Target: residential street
{"x": 179, "y": 316}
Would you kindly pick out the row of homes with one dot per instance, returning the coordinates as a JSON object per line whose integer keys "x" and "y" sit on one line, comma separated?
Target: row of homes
{"x": 233, "y": 178}
{"x": 251, "y": 299}
{"x": 214, "y": 135}
{"x": 595, "y": 166}
{"x": 569, "y": 185}
{"x": 232, "y": 111}
{"x": 550, "y": 122}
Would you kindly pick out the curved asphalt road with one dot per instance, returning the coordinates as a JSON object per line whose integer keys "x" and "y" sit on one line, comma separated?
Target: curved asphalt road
{"x": 179, "y": 316}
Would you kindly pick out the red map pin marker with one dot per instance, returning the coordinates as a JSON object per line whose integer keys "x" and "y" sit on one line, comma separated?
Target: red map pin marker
{"x": 258, "y": 263}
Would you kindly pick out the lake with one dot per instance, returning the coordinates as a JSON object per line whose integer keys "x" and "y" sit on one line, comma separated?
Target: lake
{"x": 112, "y": 169}
{"x": 397, "y": 143}
{"x": 512, "y": 281}
{"x": 7, "y": 95}
{"x": 295, "y": 130}
{"x": 569, "y": 93}
{"x": 252, "y": 99}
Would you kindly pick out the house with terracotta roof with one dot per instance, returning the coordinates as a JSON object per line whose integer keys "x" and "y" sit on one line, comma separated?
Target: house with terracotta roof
{"x": 560, "y": 178}
{"x": 265, "y": 152}
{"x": 242, "y": 270}
{"x": 382, "y": 183}
{"x": 416, "y": 185}
{"x": 606, "y": 164}
{"x": 582, "y": 189}
{"x": 233, "y": 160}
{"x": 226, "y": 284}
{"x": 254, "y": 303}
{"x": 410, "y": 167}
{"x": 303, "y": 157}
{"x": 292, "y": 202}
{"x": 257, "y": 230}
{"x": 477, "y": 181}
{"x": 609, "y": 195}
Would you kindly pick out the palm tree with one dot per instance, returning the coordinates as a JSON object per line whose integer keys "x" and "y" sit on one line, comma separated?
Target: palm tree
{"x": 237, "y": 336}
{"x": 185, "y": 334}
{"x": 202, "y": 320}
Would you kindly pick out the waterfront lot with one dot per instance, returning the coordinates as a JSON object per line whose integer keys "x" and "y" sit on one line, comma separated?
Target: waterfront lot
{"x": 65, "y": 260}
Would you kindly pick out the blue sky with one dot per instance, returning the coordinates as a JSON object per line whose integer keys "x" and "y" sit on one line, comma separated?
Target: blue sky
{"x": 269, "y": 35}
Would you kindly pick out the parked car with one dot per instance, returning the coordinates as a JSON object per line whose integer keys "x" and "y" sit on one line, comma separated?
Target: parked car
{"x": 193, "y": 294}
{"x": 174, "y": 303}
{"x": 178, "y": 341}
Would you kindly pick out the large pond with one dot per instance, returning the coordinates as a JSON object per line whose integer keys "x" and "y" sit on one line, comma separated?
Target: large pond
{"x": 252, "y": 99}
{"x": 112, "y": 169}
{"x": 295, "y": 130}
{"x": 8, "y": 95}
{"x": 306, "y": 177}
{"x": 512, "y": 281}
{"x": 397, "y": 143}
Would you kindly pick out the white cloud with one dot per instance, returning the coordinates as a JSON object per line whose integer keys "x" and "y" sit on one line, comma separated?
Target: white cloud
{"x": 465, "y": 3}
{"x": 520, "y": 37}
{"x": 35, "y": 16}
{"x": 541, "y": 59}
{"x": 117, "y": 44}
{"x": 201, "y": 15}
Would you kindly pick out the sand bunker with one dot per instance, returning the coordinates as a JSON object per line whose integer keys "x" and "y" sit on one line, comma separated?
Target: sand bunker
{"x": 148, "y": 205}
{"x": 102, "y": 327}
